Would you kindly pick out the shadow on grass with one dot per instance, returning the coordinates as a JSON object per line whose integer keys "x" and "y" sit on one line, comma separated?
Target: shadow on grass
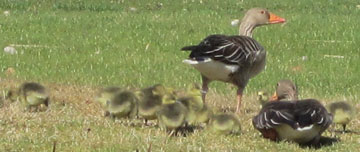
{"x": 233, "y": 110}
{"x": 323, "y": 142}
{"x": 185, "y": 131}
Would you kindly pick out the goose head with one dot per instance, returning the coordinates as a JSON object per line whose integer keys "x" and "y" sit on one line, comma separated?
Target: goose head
{"x": 256, "y": 17}
{"x": 285, "y": 90}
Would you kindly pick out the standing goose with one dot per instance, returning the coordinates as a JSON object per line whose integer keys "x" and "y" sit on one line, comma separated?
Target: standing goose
{"x": 193, "y": 102}
{"x": 232, "y": 59}
{"x": 150, "y": 101}
{"x": 343, "y": 113}
{"x": 122, "y": 104}
{"x": 285, "y": 90}
{"x": 105, "y": 95}
{"x": 172, "y": 114}
{"x": 204, "y": 115}
{"x": 225, "y": 123}
{"x": 301, "y": 121}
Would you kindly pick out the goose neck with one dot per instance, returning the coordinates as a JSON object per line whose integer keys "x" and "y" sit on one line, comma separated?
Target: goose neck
{"x": 246, "y": 28}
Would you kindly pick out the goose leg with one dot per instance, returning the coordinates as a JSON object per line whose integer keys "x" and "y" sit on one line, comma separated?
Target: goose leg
{"x": 205, "y": 88}
{"x": 239, "y": 98}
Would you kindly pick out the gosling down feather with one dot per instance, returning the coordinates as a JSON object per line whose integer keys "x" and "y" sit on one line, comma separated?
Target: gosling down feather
{"x": 343, "y": 113}
{"x": 225, "y": 123}
{"x": 123, "y": 104}
{"x": 105, "y": 95}
{"x": 150, "y": 101}
{"x": 193, "y": 102}
{"x": 33, "y": 94}
{"x": 172, "y": 114}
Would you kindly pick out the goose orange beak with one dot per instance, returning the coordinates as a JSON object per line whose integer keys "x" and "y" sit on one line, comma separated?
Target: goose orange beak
{"x": 274, "y": 97}
{"x": 275, "y": 19}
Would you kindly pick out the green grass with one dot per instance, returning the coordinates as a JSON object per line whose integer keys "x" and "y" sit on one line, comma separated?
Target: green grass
{"x": 96, "y": 43}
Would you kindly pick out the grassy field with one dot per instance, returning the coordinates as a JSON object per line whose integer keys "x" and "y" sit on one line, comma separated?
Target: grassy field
{"x": 78, "y": 46}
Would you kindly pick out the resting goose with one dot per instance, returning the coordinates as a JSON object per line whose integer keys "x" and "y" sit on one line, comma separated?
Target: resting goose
{"x": 301, "y": 121}
{"x": 233, "y": 59}
{"x": 285, "y": 90}
{"x": 343, "y": 113}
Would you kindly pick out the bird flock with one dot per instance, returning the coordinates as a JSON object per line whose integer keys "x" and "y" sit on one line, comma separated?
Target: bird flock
{"x": 231, "y": 59}
{"x": 172, "y": 112}
{"x": 236, "y": 59}
{"x": 282, "y": 116}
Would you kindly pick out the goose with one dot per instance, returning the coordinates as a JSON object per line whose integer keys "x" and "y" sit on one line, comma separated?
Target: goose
{"x": 106, "y": 94}
{"x": 285, "y": 90}
{"x": 225, "y": 123}
{"x": 33, "y": 94}
{"x": 342, "y": 112}
{"x": 123, "y": 104}
{"x": 300, "y": 121}
{"x": 151, "y": 100}
{"x": 232, "y": 59}
{"x": 204, "y": 115}
{"x": 263, "y": 98}
{"x": 172, "y": 114}
{"x": 193, "y": 102}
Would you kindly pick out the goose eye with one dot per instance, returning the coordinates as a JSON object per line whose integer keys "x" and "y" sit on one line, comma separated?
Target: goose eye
{"x": 262, "y": 12}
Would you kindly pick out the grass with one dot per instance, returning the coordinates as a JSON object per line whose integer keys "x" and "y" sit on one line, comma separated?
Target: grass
{"x": 84, "y": 45}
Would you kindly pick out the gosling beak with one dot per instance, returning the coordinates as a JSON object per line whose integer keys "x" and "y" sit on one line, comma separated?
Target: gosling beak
{"x": 275, "y": 19}
{"x": 259, "y": 95}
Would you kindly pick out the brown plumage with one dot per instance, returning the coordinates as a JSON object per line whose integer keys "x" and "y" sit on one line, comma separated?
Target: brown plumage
{"x": 285, "y": 90}
{"x": 301, "y": 121}
{"x": 232, "y": 59}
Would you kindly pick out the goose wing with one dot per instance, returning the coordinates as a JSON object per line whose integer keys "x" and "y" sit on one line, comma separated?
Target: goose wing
{"x": 274, "y": 114}
{"x": 227, "y": 49}
{"x": 311, "y": 111}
